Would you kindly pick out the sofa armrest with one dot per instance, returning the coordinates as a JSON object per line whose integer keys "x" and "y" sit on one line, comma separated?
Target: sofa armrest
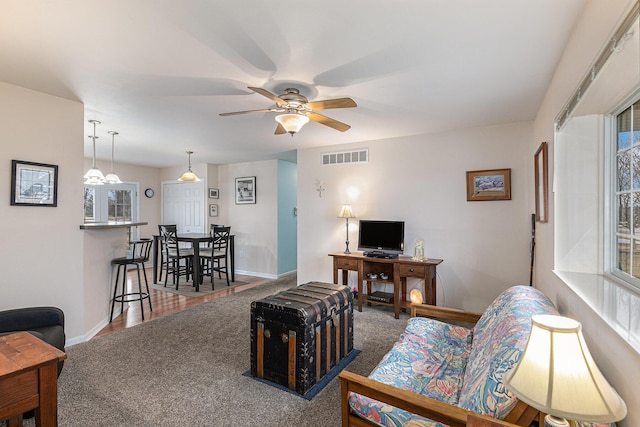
{"x": 403, "y": 399}
{"x": 521, "y": 415}
{"x": 22, "y": 319}
{"x": 444, "y": 313}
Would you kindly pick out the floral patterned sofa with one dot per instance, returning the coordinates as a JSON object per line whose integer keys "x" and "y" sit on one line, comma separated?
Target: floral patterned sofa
{"x": 438, "y": 373}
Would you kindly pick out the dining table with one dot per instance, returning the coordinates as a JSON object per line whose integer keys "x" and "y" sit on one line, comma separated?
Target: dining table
{"x": 195, "y": 239}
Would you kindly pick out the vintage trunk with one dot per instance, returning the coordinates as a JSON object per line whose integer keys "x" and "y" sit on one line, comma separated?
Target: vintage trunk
{"x": 299, "y": 335}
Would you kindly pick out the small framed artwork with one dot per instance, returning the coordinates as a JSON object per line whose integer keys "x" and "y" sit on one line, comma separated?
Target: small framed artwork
{"x": 34, "y": 184}
{"x": 541, "y": 170}
{"x": 213, "y": 210}
{"x": 492, "y": 184}
{"x": 246, "y": 190}
{"x": 213, "y": 193}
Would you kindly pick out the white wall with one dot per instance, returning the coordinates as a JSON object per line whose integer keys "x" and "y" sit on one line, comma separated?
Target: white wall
{"x": 42, "y": 255}
{"x": 254, "y": 225}
{"x": 421, "y": 180}
{"x": 618, "y": 361}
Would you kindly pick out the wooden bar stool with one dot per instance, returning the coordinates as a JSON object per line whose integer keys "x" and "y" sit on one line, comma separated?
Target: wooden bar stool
{"x": 137, "y": 255}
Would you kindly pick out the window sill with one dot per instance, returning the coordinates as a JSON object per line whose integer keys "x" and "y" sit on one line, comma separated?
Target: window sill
{"x": 617, "y": 304}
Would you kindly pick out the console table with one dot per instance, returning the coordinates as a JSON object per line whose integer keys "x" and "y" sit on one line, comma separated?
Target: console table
{"x": 397, "y": 270}
{"x": 28, "y": 379}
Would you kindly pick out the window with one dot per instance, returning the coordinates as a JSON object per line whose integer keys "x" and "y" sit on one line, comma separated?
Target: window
{"x": 104, "y": 203}
{"x": 626, "y": 225}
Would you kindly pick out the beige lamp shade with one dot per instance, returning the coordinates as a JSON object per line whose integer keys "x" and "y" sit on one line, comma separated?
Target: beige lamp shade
{"x": 558, "y": 376}
{"x": 346, "y": 212}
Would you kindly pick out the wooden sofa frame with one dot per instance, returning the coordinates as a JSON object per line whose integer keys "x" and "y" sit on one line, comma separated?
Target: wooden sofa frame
{"x": 521, "y": 415}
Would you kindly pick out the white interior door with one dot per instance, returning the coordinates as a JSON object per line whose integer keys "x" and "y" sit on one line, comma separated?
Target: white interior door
{"x": 183, "y": 204}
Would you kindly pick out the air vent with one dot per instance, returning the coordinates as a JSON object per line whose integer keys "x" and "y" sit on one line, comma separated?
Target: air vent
{"x": 345, "y": 157}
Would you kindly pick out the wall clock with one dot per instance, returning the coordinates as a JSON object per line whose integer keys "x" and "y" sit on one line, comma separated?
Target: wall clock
{"x": 149, "y": 192}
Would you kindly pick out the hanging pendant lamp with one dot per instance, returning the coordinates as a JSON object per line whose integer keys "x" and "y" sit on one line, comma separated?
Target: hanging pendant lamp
{"x": 189, "y": 176}
{"x": 93, "y": 175}
{"x": 112, "y": 178}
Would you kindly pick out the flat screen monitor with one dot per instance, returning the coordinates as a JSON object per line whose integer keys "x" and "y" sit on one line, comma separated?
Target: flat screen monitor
{"x": 384, "y": 236}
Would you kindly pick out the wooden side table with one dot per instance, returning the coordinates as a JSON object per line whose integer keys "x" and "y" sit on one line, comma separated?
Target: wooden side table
{"x": 28, "y": 379}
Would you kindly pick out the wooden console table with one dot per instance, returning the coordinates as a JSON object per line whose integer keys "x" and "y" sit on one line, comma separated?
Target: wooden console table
{"x": 397, "y": 270}
{"x": 28, "y": 379}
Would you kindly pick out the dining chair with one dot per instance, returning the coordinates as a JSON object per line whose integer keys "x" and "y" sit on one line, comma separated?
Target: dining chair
{"x": 178, "y": 260}
{"x": 138, "y": 255}
{"x": 215, "y": 257}
{"x": 162, "y": 248}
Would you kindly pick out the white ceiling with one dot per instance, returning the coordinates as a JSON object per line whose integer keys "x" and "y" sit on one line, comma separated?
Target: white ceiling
{"x": 160, "y": 71}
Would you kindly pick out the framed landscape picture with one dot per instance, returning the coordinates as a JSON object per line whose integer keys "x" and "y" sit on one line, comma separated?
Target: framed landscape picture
{"x": 214, "y": 193}
{"x": 492, "y": 184}
{"x": 246, "y": 190}
{"x": 34, "y": 184}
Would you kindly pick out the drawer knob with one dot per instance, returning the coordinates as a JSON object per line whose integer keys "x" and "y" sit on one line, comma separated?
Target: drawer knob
{"x": 411, "y": 270}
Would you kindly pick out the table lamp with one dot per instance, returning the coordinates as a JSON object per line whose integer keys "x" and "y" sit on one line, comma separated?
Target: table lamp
{"x": 347, "y": 213}
{"x": 557, "y": 375}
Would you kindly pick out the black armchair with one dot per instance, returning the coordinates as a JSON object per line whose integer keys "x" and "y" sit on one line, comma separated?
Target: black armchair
{"x": 46, "y": 323}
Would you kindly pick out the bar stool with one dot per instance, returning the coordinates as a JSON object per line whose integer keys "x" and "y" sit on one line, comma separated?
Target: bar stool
{"x": 137, "y": 255}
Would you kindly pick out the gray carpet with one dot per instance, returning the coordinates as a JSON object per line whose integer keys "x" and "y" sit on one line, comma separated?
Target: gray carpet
{"x": 187, "y": 289}
{"x": 186, "y": 369}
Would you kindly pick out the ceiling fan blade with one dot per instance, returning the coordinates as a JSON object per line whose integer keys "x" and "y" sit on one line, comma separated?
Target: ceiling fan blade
{"x": 332, "y": 103}
{"x": 280, "y": 130}
{"x": 319, "y": 118}
{"x": 264, "y": 110}
{"x": 269, "y": 95}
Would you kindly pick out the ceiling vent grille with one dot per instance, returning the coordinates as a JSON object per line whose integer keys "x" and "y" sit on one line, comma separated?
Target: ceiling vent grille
{"x": 345, "y": 157}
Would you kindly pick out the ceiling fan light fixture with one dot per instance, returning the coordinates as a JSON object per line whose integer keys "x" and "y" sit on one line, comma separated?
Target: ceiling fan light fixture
{"x": 189, "y": 176}
{"x": 292, "y": 122}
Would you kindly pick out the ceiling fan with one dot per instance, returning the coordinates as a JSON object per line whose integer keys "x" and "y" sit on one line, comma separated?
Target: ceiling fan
{"x": 296, "y": 110}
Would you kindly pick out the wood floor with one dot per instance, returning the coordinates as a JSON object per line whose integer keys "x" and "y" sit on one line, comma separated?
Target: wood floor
{"x": 165, "y": 303}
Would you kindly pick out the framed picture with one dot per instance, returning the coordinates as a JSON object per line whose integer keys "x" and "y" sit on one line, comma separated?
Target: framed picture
{"x": 246, "y": 190}
{"x": 213, "y": 193}
{"x": 492, "y": 184}
{"x": 213, "y": 210}
{"x": 541, "y": 171}
{"x": 33, "y": 184}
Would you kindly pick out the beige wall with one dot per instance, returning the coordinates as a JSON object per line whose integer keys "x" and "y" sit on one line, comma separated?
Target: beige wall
{"x": 616, "y": 359}
{"x": 254, "y": 225}
{"x": 421, "y": 180}
{"x": 42, "y": 254}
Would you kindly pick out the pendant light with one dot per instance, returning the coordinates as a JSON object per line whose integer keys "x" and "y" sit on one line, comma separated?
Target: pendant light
{"x": 292, "y": 122}
{"x": 93, "y": 175}
{"x": 112, "y": 178}
{"x": 189, "y": 176}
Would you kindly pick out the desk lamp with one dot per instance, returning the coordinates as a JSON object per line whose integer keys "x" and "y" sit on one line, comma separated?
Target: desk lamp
{"x": 558, "y": 376}
{"x": 346, "y": 213}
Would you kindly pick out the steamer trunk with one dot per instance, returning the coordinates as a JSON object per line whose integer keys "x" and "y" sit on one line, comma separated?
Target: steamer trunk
{"x": 299, "y": 335}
